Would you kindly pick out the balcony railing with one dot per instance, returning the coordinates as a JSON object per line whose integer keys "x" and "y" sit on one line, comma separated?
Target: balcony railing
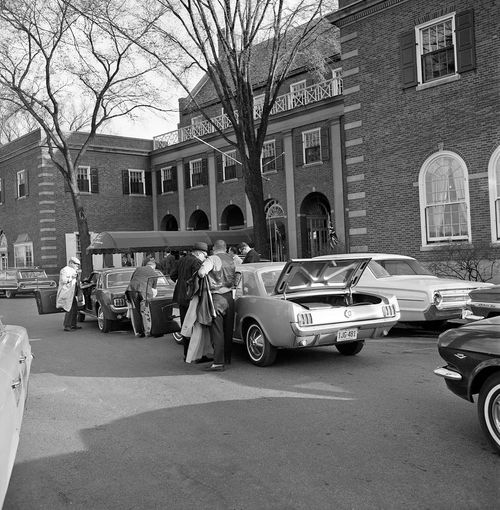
{"x": 286, "y": 102}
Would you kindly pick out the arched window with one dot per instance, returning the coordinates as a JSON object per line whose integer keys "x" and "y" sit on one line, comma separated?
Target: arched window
{"x": 494, "y": 184}
{"x": 444, "y": 199}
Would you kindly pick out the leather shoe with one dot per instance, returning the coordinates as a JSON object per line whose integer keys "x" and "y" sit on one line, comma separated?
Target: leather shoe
{"x": 76, "y": 327}
{"x": 204, "y": 359}
{"x": 214, "y": 368}
{"x": 67, "y": 329}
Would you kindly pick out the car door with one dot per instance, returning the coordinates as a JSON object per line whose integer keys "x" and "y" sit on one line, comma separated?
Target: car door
{"x": 160, "y": 314}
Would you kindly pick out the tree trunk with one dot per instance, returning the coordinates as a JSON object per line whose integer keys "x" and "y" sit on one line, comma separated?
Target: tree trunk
{"x": 83, "y": 232}
{"x": 255, "y": 193}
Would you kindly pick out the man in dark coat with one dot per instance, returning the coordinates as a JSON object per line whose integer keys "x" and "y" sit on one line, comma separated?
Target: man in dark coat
{"x": 249, "y": 254}
{"x": 187, "y": 267}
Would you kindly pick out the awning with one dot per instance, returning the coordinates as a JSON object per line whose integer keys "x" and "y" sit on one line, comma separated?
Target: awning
{"x": 158, "y": 240}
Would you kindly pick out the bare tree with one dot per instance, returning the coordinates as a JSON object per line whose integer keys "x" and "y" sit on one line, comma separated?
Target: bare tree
{"x": 69, "y": 74}
{"x": 231, "y": 42}
{"x": 14, "y": 122}
{"x": 466, "y": 262}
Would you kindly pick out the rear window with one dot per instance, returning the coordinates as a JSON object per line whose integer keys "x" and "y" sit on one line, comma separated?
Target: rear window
{"x": 29, "y": 275}
{"x": 397, "y": 267}
{"x": 269, "y": 279}
{"x": 8, "y": 275}
{"x": 118, "y": 279}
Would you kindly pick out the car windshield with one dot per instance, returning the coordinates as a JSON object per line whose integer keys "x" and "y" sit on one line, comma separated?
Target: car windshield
{"x": 118, "y": 279}
{"x": 32, "y": 274}
{"x": 7, "y": 275}
{"x": 397, "y": 267}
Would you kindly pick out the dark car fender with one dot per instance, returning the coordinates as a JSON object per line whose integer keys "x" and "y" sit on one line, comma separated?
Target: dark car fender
{"x": 479, "y": 375}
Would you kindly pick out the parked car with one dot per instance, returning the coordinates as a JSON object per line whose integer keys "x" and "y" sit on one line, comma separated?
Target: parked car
{"x": 15, "y": 365}
{"x": 423, "y": 298}
{"x": 104, "y": 292}
{"x": 485, "y": 302}
{"x": 24, "y": 281}
{"x": 472, "y": 354}
{"x": 308, "y": 303}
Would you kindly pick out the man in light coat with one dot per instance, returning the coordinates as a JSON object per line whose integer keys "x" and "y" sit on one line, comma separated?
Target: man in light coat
{"x": 67, "y": 292}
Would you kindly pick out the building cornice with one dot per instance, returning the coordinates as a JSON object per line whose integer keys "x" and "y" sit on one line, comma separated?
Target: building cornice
{"x": 359, "y": 10}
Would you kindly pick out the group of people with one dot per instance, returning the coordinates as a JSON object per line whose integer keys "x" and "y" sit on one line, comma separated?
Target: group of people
{"x": 212, "y": 276}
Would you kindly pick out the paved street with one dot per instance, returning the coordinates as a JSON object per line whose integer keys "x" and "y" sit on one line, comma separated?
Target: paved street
{"x": 118, "y": 422}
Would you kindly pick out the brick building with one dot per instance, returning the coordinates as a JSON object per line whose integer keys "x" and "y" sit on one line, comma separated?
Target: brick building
{"x": 37, "y": 219}
{"x": 422, "y": 136}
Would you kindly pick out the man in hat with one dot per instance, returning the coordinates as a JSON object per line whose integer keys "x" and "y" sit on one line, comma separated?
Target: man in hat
{"x": 67, "y": 292}
{"x": 187, "y": 266}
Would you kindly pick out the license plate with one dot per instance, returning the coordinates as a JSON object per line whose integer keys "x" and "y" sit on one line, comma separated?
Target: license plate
{"x": 345, "y": 335}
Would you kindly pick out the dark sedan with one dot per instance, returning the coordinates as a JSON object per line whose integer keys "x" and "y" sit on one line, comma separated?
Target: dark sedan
{"x": 485, "y": 302}
{"x": 472, "y": 354}
{"x": 24, "y": 281}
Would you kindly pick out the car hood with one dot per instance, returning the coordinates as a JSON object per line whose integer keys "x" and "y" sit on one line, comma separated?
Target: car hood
{"x": 301, "y": 275}
{"x": 426, "y": 282}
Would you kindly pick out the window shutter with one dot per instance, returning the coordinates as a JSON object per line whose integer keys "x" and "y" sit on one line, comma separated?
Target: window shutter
{"x": 148, "y": 179}
{"x": 125, "y": 182}
{"x": 466, "y": 47}
{"x": 204, "y": 171}
{"x": 298, "y": 147}
{"x": 325, "y": 144}
{"x": 2, "y": 191}
{"x": 187, "y": 176}
{"x": 218, "y": 166}
{"x": 407, "y": 45}
{"x": 158, "y": 182}
{"x": 174, "y": 178}
{"x": 278, "y": 146}
{"x": 27, "y": 187}
{"x": 94, "y": 181}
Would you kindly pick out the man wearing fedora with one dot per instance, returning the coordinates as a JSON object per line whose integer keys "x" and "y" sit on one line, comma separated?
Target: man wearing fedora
{"x": 187, "y": 266}
{"x": 67, "y": 292}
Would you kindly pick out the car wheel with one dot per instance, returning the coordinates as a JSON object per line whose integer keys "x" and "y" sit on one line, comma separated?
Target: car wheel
{"x": 178, "y": 338}
{"x": 103, "y": 324}
{"x": 260, "y": 351}
{"x": 81, "y": 316}
{"x": 9, "y": 294}
{"x": 350, "y": 348}
{"x": 488, "y": 407}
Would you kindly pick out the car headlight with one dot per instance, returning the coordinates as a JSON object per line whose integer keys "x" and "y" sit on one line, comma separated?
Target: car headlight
{"x": 437, "y": 298}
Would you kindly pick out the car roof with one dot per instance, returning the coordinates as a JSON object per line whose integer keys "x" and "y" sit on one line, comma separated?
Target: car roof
{"x": 373, "y": 256}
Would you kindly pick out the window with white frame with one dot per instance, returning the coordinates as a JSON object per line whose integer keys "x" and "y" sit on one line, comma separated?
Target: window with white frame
{"x": 23, "y": 255}
{"x": 268, "y": 157}
{"x": 436, "y": 49}
{"x": 22, "y": 188}
{"x": 167, "y": 179}
{"x": 196, "y": 172}
{"x": 137, "y": 182}
{"x": 311, "y": 143}
{"x": 494, "y": 185}
{"x": 229, "y": 165}
{"x": 83, "y": 179}
{"x": 444, "y": 199}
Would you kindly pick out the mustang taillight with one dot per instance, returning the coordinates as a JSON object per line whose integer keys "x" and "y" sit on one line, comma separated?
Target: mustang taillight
{"x": 389, "y": 310}
{"x": 119, "y": 301}
{"x": 304, "y": 319}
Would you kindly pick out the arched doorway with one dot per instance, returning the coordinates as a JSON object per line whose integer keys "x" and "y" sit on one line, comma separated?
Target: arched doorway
{"x": 198, "y": 221}
{"x": 275, "y": 219}
{"x": 169, "y": 223}
{"x": 232, "y": 218}
{"x": 315, "y": 220}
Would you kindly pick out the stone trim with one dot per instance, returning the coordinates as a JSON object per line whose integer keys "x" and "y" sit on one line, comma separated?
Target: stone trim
{"x": 357, "y": 231}
{"x": 356, "y": 196}
{"x": 356, "y": 178}
{"x": 354, "y": 160}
